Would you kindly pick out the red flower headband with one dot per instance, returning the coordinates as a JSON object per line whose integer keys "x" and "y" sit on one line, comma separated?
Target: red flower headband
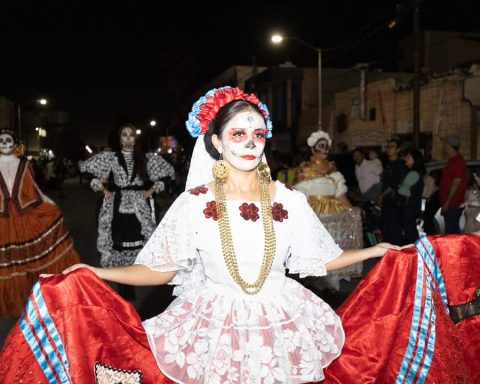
{"x": 207, "y": 107}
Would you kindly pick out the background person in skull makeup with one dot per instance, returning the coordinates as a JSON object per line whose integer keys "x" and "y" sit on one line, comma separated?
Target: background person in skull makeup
{"x": 33, "y": 235}
{"x": 127, "y": 177}
{"x": 326, "y": 192}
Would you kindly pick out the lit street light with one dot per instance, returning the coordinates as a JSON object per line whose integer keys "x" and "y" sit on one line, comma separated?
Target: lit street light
{"x": 41, "y": 132}
{"x": 277, "y": 39}
{"x": 42, "y": 101}
{"x": 153, "y": 123}
{"x": 138, "y": 131}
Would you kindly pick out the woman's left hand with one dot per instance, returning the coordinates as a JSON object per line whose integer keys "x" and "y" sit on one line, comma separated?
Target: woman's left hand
{"x": 148, "y": 193}
{"x": 380, "y": 249}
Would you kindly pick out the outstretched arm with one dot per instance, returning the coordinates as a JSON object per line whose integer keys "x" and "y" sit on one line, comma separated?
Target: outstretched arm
{"x": 353, "y": 256}
{"x": 137, "y": 274}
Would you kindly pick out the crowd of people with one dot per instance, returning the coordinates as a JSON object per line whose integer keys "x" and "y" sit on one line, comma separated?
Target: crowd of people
{"x": 226, "y": 244}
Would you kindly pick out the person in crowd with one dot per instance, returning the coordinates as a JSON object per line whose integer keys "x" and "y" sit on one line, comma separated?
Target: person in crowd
{"x": 432, "y": 202}
{"x": 127, "y": 177}
{"x": 410, "y": 194}
{"x": 225, "y": 243}
{"x": 373, "y": 156}
{"x": 368, "y": 176}
{"x": 393, "y": 172}
{"x": 33, "y": 236}
{"x": 472, "y": 205}
{"x": 453, "y": 184}
{"x": 326, "y": 193}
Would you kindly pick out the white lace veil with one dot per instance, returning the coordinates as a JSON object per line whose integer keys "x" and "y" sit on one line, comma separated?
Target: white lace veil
{"x": 201, "y": 163}
{"x": 200, "y": 171}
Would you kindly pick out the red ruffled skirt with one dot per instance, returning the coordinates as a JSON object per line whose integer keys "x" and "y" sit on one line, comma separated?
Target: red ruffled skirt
{"x": 398, "y": 325}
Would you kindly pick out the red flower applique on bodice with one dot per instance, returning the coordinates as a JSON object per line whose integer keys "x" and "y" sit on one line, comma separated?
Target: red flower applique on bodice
{"x": 198, "y": 190}
{"x": 278, "y": 213}
{"x": 249, "y": 211}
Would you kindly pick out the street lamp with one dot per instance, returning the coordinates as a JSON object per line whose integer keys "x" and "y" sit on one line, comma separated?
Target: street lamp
{"x": 41, "y": 132}
{"x": 153, "y": 123}
{"x": 277, "y": 39}
{"x": 32, "y": 107}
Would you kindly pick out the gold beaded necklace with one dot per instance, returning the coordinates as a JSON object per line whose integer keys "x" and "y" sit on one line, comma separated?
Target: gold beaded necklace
{"x": 226, "y": 234}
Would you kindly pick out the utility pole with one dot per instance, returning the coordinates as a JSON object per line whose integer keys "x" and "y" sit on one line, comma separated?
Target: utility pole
{"x": 416, "y": 70}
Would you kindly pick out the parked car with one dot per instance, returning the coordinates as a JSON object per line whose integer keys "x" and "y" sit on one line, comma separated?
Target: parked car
{"x": 434, "y": 169}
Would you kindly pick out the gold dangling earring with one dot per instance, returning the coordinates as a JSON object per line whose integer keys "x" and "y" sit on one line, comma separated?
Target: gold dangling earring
{"x": 263, "y": 173}
{"x": 220, "y": 170}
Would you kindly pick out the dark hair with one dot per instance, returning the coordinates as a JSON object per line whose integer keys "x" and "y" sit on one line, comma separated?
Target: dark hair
{"x": 396, "y": 141}
{"x": 359, "y": 150}
{"x": 224, "y": 115}
{"x": 139, "y": 157}
{"x": 418, "y": 160}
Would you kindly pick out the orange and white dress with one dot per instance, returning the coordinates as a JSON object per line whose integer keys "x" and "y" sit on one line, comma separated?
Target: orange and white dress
{"x": 33, "y": 236}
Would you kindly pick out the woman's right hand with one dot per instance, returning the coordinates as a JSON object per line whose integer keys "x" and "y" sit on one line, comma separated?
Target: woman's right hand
{"x": 80, "y": 265}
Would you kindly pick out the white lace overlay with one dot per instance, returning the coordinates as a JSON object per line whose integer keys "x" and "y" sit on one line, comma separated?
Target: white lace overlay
{"x": 207, "y": 337}
{"x": 311, "y": 240}
{"x": 171, "y": 248}
{"x": 213, "y": 332}
{"x": 120, "y": 168}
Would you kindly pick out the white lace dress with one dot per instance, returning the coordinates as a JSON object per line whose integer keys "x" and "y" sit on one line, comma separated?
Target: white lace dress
{"x": 215, "y": 333}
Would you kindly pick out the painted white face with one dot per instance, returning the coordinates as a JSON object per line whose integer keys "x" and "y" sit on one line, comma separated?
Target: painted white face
{"x": 243, "y": 141}
{"x": 7, "y": 144}
{"x": 321, "y": 148}
{"x": 127, "y": 139}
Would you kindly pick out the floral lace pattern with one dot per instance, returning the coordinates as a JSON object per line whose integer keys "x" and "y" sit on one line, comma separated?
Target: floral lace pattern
{"x": 213, "y": 332}
{"x": 286, "y": 340}
{"x": 103, "y": 165}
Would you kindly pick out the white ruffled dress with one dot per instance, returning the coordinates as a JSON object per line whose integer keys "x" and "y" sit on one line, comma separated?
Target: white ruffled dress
{"x": 215, "y": 333}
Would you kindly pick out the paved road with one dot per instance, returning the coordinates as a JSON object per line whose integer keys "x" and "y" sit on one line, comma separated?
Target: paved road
{"x": 78, "y": 208}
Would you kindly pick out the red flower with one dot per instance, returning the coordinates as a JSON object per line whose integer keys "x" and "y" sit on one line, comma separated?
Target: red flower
{"x": 209, "y": 109}
{"x": 278, "y": 213}
{"x": 211, "y": 210}
{"x": 197, "y": 190}
{"x": 249, "y": 211}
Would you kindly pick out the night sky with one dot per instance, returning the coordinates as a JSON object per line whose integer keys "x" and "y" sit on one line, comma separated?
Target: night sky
{"x": 107, "y": 62}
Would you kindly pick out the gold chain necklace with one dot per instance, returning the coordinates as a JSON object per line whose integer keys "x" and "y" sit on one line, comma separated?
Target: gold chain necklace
{"x": 227, "y": 242}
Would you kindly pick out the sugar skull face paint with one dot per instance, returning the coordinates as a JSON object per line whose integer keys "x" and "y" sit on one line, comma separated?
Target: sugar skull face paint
{"x": 127, "y": 139}
{"x": 243, "y": 141}
{"x": 7, "y": 144}
{"x": 321, "y": 148}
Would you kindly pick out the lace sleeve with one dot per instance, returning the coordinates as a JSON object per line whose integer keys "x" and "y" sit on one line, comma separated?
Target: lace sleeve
{"x": 171, "y": 248}
{"x": 158, "y": 168}
{"x": 312, "y": 246}
{"x": 99, "y": 165}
